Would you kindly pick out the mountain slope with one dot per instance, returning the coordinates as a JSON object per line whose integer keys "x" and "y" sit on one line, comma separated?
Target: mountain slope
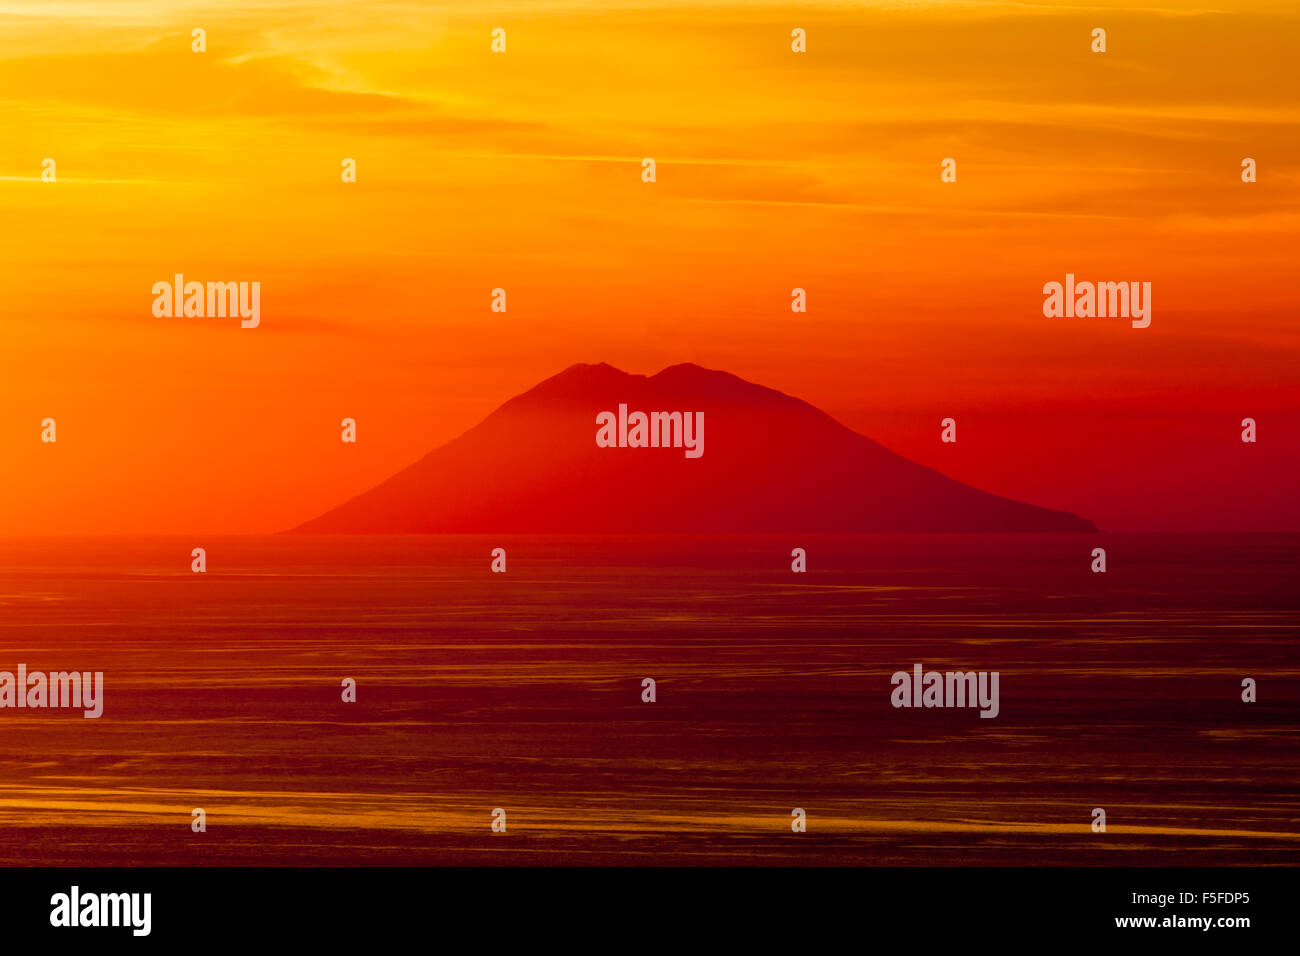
{"x": 770, "y": 463}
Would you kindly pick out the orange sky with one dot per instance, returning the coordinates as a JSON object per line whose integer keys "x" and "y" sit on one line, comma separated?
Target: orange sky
{"x": 522, "y": 170}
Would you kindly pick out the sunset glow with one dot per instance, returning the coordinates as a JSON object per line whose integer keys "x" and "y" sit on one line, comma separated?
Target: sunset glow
{"x": 775, "y": 171}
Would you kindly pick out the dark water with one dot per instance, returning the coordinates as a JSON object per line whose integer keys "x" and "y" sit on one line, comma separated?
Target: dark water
{"x": 523, "y": 691}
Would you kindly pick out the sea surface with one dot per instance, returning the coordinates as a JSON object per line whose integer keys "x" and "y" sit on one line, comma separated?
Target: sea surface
{"x": 523, "y": 691}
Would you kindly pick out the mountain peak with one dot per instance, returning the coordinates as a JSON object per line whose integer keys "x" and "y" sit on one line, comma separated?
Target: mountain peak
{"x": 687, "y": 368}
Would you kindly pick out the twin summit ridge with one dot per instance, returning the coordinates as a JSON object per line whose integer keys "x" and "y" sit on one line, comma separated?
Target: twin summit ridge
{"x": 571, "y": 456}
